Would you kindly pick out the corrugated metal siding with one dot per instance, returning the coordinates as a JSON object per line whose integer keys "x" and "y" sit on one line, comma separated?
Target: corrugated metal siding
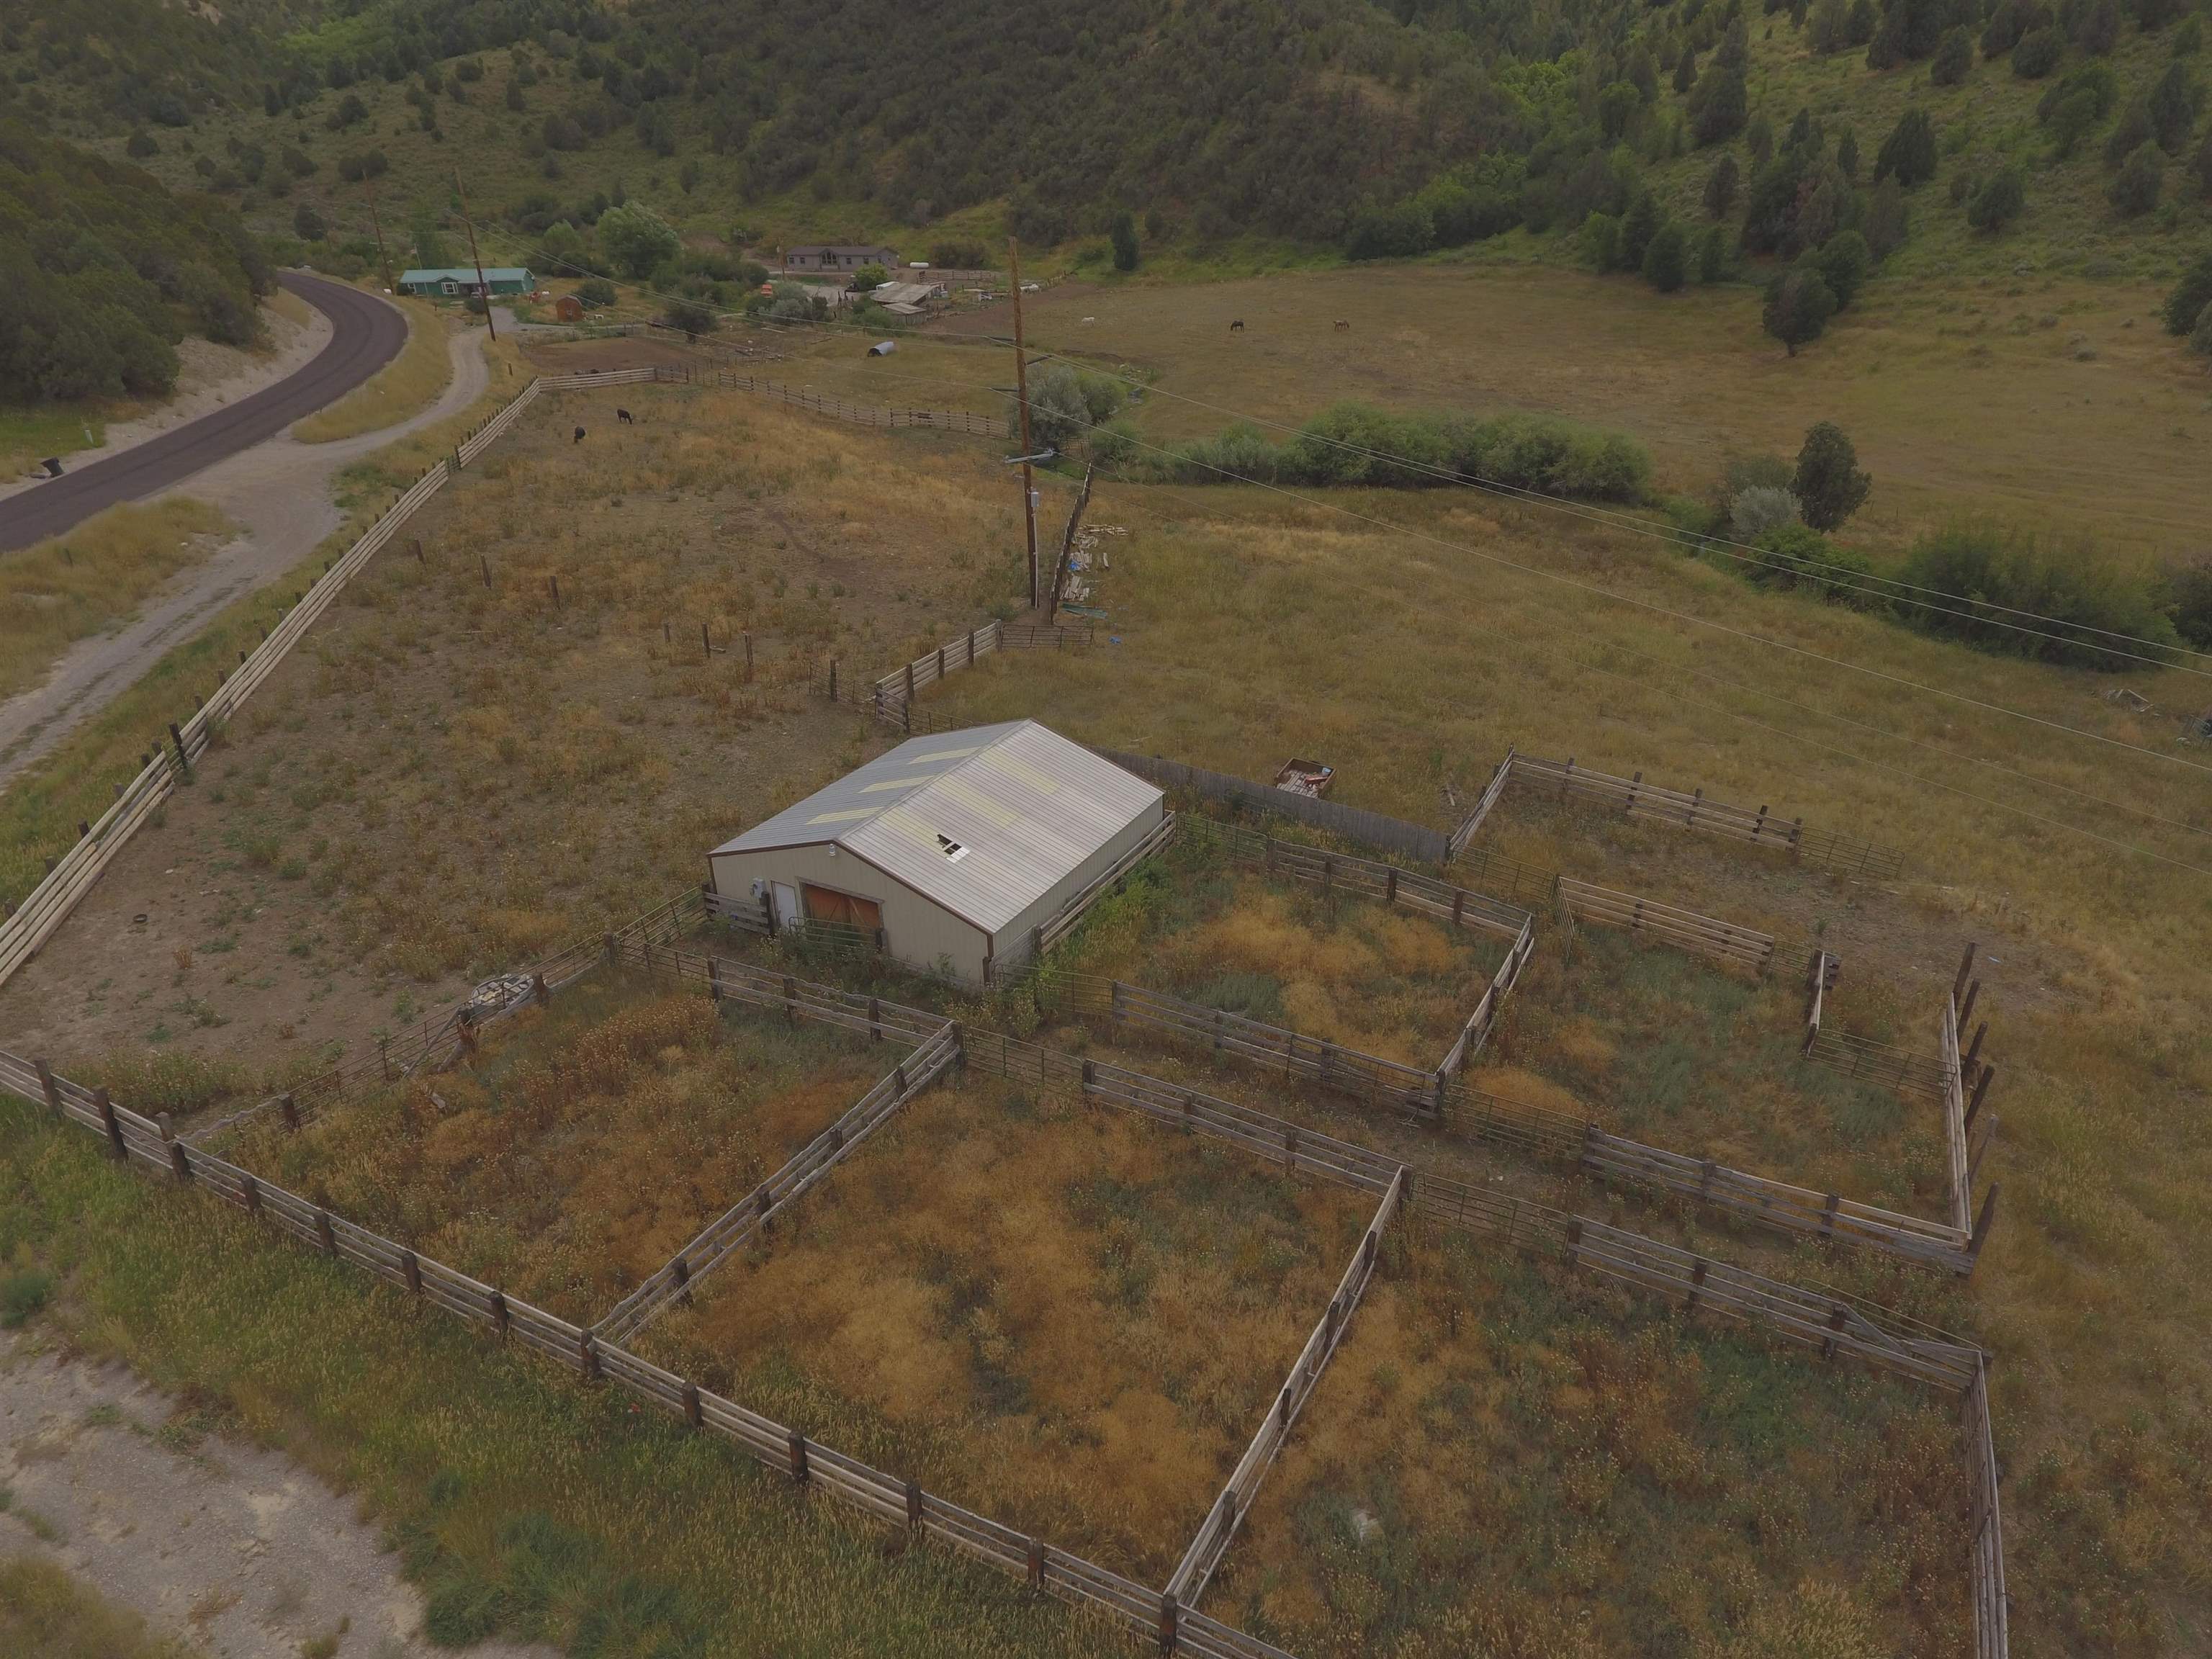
{"x": 1012, "y": 943}
{"x": 1032, "y": 808}
{"x": 916, "y": 930}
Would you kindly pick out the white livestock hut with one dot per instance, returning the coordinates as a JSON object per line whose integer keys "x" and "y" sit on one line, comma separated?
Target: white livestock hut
{"x": 952, "y": 850}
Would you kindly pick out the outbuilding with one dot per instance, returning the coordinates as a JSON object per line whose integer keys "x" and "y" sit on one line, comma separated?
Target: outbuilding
{"x": 950, "y": 852}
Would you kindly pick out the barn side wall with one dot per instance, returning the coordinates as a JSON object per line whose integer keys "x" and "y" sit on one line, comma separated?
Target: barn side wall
{"x": 916, "y": 930}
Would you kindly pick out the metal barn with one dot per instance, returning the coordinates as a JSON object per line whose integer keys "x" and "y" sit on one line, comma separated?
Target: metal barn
{"x": 951, "y": 850}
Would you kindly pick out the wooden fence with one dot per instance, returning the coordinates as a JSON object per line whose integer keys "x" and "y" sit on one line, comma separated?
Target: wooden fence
{"x": 758, "y": 1211}
{"x": 1051, "y": 934}
{"x": 1364, "y": 1077}
{"x": 1992, "y": 1607}
{"x": 1685, "y": 930}
{"x": 488, "y": 434}
{"x": 815, "y": 403}
{"x": 1480, "y": 1025}
{"x": 1195, "y": 1570}
{"x": 1143, "y": 1613}
{"x": 1472, "y": 822}
{"x": 1638, "y": 800}
{"x": 48, "y": 904}
{"x": 1389, "y": 885}
{"x": 1355, "y": 823}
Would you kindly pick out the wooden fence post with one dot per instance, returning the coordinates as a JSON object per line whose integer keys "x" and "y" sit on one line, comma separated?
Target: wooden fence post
{"x": 325, "y": 1235}
{"x": 1168, "y": 1623}
{"x": 798, "y": 1471}
{"x": 1966, "y": 967}
{"x": 692, "y": 1414}
{"x": 249, "y": 1192}
{"x": 914, "y": 1495}
{"x": 50, "y": 1089}
{"x": 1036, "y": 1564}
{"x": 108, "y": 1121}
{"x": 411, "y": 1269}
{"x": 287, "y": 1107}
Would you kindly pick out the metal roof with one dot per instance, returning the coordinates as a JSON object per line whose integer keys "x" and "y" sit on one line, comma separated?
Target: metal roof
{"x": 984, "y": 822}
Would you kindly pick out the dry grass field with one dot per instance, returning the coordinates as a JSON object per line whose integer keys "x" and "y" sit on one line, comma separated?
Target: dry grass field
{"x": 583, "y": 1147}
{"x": 457, "y": 776}
{"x": 450, "y": 778}
{"x": 1495, "y": 1464}
{"x": 1345, "y": 970}
{"x": 1067, "y": 1318}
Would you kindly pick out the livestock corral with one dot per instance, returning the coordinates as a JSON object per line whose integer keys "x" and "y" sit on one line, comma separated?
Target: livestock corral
{"x": 1545, "y": 1240}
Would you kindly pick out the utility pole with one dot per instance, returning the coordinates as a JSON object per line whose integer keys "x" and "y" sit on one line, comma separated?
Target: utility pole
{"x": 482, "y": 287}
{"x": 382, "y": 257}
{"x": 1068, "y": 547}
{"x": 1022, "y": 392}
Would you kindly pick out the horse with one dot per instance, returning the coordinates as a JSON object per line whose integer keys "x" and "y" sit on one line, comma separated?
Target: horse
{"x": 622, "y": 415}
{"x": 579, "y": 438}
{"x": 1342, "y": 327}
{"x": 1236, "y": 327}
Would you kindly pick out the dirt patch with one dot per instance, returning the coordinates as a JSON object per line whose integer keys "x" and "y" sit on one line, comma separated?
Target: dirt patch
{"x": 211, "y": 1540}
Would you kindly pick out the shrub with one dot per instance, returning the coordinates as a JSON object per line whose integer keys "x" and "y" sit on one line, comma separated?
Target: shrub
{"x": 1908, "y": 154}
{"x": 2189, "y": 297}
{"x": 2191, "y": 588}
{"x": 2038, "y": 53}
{"x": 1398, "y": 231}
{"x": 2200, "y": 337}
{"x": 1886, "y": 223}
{"x": 1601, "y": 241}
{"x": 1352, "y": 444}
{"x": 2202, "y": 167}
{"x": 690, "y": 316}
{"x": 1760, "y": 509}
{"x": 1720, "y": 105}
{"x": 141, "y": 144}
{"x": 1999, "y": 201}
{"x": 1828, "y": 483}
{"x": 1713, "y": 256}
{"x": 22, "y": 1294}
{"x": 636, "y": 239}
{"x": 2135, "y": 188}
{"x": 596, "y": 292}
{"x": 1794, "y": 555}
{"x": 2128, "y": 134}
{"x": 1976, "y": 567}
{"x": 2172, "y": 105}
{"x": 1953, "y": 57}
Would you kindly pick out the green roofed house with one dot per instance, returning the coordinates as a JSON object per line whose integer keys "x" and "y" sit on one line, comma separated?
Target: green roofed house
{"x": 459, "y": 281}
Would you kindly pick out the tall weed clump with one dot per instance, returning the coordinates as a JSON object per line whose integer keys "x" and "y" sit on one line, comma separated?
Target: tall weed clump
{"x": 1357, "y": 446}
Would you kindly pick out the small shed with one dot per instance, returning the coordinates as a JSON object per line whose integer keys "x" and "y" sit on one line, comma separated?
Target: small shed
{"x": 569, "y": 308}
{"x": 949, "y": 851}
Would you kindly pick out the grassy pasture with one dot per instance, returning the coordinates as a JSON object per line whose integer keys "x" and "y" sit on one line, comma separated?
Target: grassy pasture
{"x": 1495, "y": 1464}
{"x": 44, "y": 1610}
{"x": 583, "y": 1147}
{"x": 1065, "y": 1318}
{"x": 1959, "y": 400}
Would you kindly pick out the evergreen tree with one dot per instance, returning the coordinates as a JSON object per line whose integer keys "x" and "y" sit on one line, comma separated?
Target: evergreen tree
{"x": 1799, "y": 303}
{"x": 1721, "y": 188}
{"x": 1666, "y": 257}
{"x": 1828, "y": 484}
{"x": 1842, "y": 262}
{"x": 1953, "y": 57}
{"x": 1908, "y": 154}
{"x": 1999, "y": 201}
{"x": 2135, "y": 189}
{"x": 1638, "y": 227}
{"x": 1712, "y": 256}
{"x": 1847, "y": 155}
{"x": 2172, "y": 105}
{"x": 1124, "y": 241}
{"x": 1720, "y": 106}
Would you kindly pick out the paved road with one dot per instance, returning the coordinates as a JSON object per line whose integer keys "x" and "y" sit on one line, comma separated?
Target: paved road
{"x": 366, "y": 334}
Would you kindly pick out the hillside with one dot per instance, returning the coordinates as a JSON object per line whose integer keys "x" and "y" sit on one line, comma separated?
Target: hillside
{"x": 1320, "y": 126}
{"x": 106, "y": 270}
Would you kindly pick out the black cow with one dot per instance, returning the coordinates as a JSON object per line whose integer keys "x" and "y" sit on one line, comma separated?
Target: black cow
{"x": 580, "y": 435}
{"x": 622, "y": 415}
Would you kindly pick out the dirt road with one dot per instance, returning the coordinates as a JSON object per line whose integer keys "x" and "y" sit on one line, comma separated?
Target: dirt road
{"x": 366, "y": 333}
{"x": 230, "y": 1547}
{"x": 278, "y": 493}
